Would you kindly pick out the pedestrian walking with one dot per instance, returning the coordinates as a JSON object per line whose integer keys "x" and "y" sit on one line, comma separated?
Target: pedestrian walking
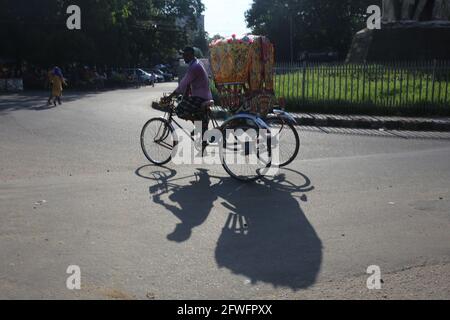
{"x": 57, "y": 80}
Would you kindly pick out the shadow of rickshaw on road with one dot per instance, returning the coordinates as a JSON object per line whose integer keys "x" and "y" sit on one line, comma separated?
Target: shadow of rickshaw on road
{"x": 266, "y": 238}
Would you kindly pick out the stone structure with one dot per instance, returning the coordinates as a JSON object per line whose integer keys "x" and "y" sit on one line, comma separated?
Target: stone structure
{"x": 416, "y": 10}
{"x": 411, "y": 30}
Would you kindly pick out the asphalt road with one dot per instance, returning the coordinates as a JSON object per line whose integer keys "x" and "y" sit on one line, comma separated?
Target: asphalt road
{"x": 76, "y": 189}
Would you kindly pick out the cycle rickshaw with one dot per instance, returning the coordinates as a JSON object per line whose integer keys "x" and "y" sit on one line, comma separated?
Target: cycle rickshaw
{"x": 243, "y": 77}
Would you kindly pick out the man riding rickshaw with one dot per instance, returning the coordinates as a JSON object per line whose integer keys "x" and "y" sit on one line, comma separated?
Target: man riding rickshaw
{"x": 244, "y": 78}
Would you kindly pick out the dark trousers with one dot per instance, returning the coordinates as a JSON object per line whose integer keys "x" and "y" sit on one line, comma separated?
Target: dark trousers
{"x": 190, "y": 108}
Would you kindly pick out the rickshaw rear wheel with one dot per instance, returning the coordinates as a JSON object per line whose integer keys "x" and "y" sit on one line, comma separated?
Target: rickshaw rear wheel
{"x": 286, "y": 141}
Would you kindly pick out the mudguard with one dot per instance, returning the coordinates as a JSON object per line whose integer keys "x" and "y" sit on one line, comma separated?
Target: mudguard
{"x": 261, "y": 124}
{"x": 286, "y": 116}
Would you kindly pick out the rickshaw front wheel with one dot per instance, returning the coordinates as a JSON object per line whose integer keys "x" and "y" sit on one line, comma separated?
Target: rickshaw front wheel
{"x": 157, "y": 141}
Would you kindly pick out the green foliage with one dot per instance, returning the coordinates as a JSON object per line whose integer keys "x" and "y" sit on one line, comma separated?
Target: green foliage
{"x": 316, "y": 24}
{"x": 114, "y": 32}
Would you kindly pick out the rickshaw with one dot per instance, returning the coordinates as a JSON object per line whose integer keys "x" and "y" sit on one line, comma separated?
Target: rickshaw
{"x": 243, "y": 77}
{"x": 243, "y": 71}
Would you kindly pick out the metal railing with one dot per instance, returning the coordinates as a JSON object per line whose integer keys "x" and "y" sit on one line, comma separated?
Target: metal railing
{"x": 377, "y": 85}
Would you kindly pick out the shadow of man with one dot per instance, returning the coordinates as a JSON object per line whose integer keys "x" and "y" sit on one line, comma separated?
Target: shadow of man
{"x": 267, "y": 237}
{"x": 195, "y": 203}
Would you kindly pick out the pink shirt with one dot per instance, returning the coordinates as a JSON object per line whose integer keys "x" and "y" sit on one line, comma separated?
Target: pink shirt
{"x": 197, "y": 80}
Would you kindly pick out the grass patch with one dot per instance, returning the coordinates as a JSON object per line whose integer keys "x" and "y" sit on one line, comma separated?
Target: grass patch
{"x": 365, "y": 89}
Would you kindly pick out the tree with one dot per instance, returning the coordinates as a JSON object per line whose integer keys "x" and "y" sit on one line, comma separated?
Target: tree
{"x": 201, "y": 41}
{"x": 316, "y": 24}
{"x": 114, "y": 32}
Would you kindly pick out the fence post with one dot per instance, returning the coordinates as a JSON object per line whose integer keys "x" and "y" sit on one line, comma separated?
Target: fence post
{"x": 358, "y": 75}
{"x": 294, "y": 85}
{"x": 352, "y": 68}
{"x": 447, "y": 80}
{"x": 427, "y": 84}
{"x": 289, "y": 78}
{"x": 303, "y": 81}
{"x": 408, "y": 83}
{"x": 298, "y": 75}
{"x": 376, "y": 68}
{"x": 334, "y": 81}
{"x": 433, "y": 80}
{"x": 310, "y": 75}
{"x": 364, "y": 83}
{"x": 340, "y": 71}
{"x": 323, "y": 84}
{"x": 414, "y": 82}
{"x": 396, "y": 74}
{"x": 282, "y": 79}
{"x": 401, "y": 84}
{"x": 421, "y": 75}
{"x": 439, "y": 83}
{"x": 329, "y": 83}
{"x": 347, "y": 84}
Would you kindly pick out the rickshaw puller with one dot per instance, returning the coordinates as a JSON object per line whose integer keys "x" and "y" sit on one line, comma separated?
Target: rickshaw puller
{"x": 195, "y": 88}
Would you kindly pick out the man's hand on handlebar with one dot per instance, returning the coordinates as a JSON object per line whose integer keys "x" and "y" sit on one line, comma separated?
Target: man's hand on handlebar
{"x": 170, "y": 98}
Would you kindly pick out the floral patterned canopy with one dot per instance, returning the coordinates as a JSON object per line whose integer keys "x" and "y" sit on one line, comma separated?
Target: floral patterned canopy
{"x": 248, "y": 60}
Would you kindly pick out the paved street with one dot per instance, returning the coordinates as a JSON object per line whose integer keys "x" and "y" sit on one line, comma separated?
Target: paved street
{"x": 75, "y": 189}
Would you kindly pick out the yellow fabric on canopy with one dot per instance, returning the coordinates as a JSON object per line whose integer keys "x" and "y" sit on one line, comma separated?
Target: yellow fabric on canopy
{"x": 246, "y": 60}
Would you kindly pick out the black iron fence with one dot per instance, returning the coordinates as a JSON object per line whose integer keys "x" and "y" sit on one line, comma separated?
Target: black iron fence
{"x": 395, "y": 86}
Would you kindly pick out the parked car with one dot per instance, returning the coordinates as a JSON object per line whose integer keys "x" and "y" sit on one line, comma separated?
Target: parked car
{"x": 141, "y": 76}
{"x": 166, "y": 76}
{"x": 158, "y": 78}
{"x": 146, "y": 77}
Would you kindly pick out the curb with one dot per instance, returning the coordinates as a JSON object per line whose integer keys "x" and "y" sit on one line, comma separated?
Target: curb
{"x": 387, "y": 124}
{"x": 359, "y": 122}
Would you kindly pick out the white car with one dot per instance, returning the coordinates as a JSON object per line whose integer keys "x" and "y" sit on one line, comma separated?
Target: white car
{"x": 146, "y": 77}
{"x": 158, "y": 77}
